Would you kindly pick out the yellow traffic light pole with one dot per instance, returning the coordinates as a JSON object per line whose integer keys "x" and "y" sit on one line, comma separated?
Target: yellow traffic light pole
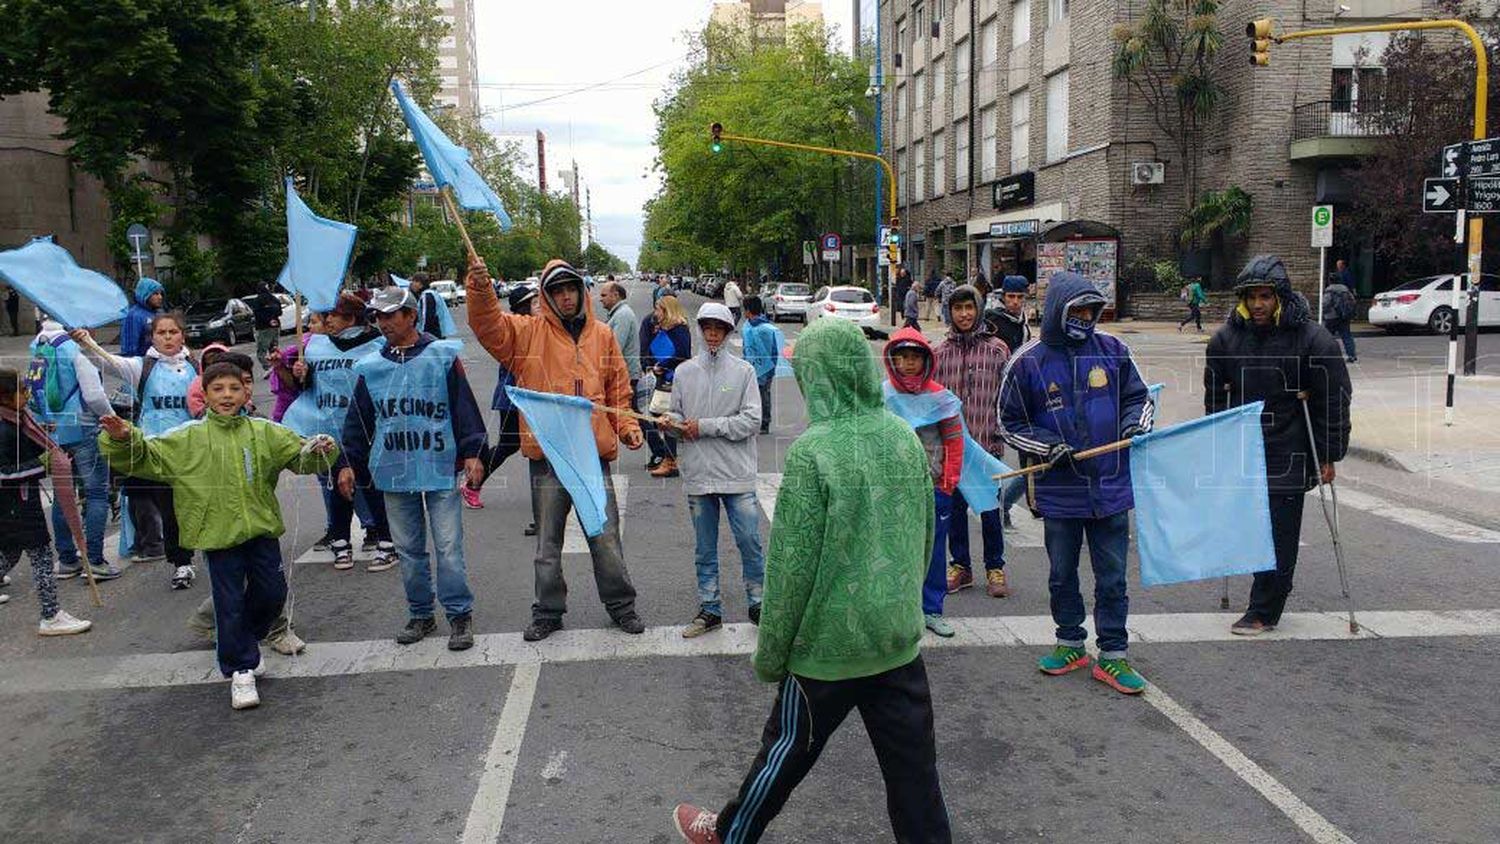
{"x": 1259, "y": 32}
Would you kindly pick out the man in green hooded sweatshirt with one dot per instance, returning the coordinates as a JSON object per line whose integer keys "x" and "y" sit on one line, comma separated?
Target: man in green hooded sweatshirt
{"x": 841, "y": 620}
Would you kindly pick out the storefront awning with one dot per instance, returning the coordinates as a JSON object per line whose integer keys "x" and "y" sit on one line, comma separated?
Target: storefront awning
{"x": 1076, "y": 229}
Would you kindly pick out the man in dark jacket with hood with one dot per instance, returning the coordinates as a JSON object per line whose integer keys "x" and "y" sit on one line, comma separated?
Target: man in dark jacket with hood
{"x": 1008, "y": 322}
{"x": 1077, "y": 389}
{"x": 135, "y": 328}
{"x": 1272, "y": 350}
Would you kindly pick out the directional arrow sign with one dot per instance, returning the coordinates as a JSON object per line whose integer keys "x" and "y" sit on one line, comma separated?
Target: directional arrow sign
{"x": 1440, "y": 196}
{"x": 1453, "y": 160}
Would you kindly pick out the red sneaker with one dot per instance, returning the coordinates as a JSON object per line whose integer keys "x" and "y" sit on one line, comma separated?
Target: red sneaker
{"x": 471, "y": 497}
{"x": 959, "y": 578}
{"x": 696, "y": 825}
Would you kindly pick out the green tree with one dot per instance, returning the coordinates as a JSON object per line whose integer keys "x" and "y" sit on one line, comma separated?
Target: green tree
{"x": 599, "y": 260}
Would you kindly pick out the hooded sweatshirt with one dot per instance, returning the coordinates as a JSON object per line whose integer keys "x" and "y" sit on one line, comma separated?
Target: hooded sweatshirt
{"x": 719, "y": 390}
{"x": 943, "y": 441}
{"x": 971, "y": 363}
{"x": 135, "y": 328}
{"x": 1249, "y": 363}
{"x": 846, "y": 562}
{"x": 1084, "y": 392}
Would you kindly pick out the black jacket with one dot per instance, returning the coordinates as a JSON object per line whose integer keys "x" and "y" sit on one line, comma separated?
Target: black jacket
{"x": 1012, "y": 330}
{"x": 1248, "y": 364}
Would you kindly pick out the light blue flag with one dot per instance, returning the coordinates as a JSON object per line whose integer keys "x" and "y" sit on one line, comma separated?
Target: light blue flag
{"x": 448, "y": 162}
{"x": 400, "y": 282}
{"x": 46, "y": 274}
{"x": 318, "y": 252}
{"x": 1202, "y": 508}
{"x": 976, "y": 481}
{"x": 1153, "y": 392}
{"x": 561, "y": 425}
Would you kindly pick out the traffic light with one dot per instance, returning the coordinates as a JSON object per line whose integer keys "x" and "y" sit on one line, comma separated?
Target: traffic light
{"x": 1259, "y": 33}
{"x": 716, "y": 130}
{"x": 893, "y": 251}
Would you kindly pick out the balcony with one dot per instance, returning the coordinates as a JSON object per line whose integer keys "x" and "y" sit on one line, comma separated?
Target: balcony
{"x": 1340, "y": 129}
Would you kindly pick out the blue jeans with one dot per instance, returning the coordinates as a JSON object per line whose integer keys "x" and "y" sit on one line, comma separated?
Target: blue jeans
{"x": 743, "y": 512}
{"x": 1109, "y": 538}
{"x": 410, "y": 513}
{"x": 91, "y": 481}
{"x": 991, "y": 528}
{"x": 935, "y": 586}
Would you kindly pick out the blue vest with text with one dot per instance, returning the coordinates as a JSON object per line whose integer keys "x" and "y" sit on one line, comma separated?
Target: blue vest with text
{"x": 414, "y": 449}
{"x": 164, "y": 397}
{"x": 321, "y": 408}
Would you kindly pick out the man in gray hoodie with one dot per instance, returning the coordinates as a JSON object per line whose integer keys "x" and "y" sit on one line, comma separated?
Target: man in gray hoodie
{"x": 716, "y": 414}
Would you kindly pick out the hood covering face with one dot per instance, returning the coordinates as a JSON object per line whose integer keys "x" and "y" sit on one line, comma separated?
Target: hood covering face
{"x": 145, "y": 289}
{"x": 909, "y": 338}
{"x": 1269, "y": 271}
{"x": 1066, "y": 290}
{"x": 716, "y": 311}
{"x": 836, "y": 371}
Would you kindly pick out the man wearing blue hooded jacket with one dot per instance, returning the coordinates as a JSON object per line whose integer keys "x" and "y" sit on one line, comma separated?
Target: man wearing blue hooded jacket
{"x": 135, "y": 328}
{"x": 1073, "y": 389}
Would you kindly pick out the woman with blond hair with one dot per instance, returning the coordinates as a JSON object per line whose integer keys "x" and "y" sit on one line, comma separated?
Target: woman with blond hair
{"x": 665, "y": 343}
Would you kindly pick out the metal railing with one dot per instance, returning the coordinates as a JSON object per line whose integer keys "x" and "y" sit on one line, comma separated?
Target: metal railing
{"x": 1343, "y": 119}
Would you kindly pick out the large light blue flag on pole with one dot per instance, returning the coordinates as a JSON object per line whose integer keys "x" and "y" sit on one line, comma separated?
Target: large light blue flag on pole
{"x": 561, "y": 425}
{"x": 448, "y": 162}
{"x": 1202, "y": 508}
{"x": 976, "y": 481}
{"x": 318, "y": 252}
{"x": 46, "y": 274}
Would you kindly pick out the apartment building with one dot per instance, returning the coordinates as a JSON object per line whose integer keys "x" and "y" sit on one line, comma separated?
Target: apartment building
{"x": 765, "y": 20}
{"x": 458, "y": 60}
{"x": 1017, "y": 150}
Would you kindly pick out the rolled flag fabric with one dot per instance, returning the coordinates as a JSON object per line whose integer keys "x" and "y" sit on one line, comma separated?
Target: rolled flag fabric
{"x": 400, "y": 282}
{"x": 318, "y": 252}
{"x": 976, "y": 481}
{"x": 46, "y": 274}
{"x": 1201, "y": 500}
{"x": 561, "y": 425}
{"x": 448, "y": 162}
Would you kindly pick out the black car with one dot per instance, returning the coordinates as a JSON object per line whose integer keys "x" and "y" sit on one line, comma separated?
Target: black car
{"x": 224, "y": 321}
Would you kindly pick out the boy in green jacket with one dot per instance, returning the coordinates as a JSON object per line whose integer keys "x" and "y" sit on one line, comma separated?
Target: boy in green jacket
{"x": 223, "y": 470}
{"x": 841, "y": 621}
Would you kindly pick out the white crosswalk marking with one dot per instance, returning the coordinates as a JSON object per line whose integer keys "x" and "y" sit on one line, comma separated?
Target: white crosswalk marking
{"x": 356, "y": 538}
{"x": 574, "y": 542}
{"x": 1423, "y": 520}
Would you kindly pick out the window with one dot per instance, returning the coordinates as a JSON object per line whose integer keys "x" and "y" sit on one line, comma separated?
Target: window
{"x": 1056, "y": 10}
{"x": 939, "y": 80}
{"x": 900, "y": 177}
{"x": 987, "y": 144}
{"x": 918, "y": 93}
{"x": 1057, "y": 116}
{"x": 989, "y": 46}
{"x": 1020, "y": 132}
{"x": 962, "y": 63}
{"x": 937, "y": 11}
{"x": 1343, "y": 89}
{"x": 939, "y": 163}
{"x": 1020, "y": 22}
{"x": 901, "y": 105}
{"x": 919, "y": 16}
{"x": 919, "y": 171}
{"x": 961, "y": 154}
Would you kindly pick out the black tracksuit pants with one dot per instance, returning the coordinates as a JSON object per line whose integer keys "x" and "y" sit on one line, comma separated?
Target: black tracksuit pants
{"x": 1269, "y": 592}
{"x": 897, "y": 710}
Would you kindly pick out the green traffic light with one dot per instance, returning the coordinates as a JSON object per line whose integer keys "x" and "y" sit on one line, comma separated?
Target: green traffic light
{"x": 717, "y": 147}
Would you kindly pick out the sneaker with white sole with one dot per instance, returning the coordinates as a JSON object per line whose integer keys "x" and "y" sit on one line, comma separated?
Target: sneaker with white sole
{"x": 147, "y": 558}
{"x": 286, "y": 643}
{"x": 183, "y": 577}
{"x": 62, "y": 624}
{"x": 104, "y": 572}
{"x": 242, "y": 693}
{"x": 343, "y": 554}
{"x": 323, "y": 543}
{"x": 385, "y": 557}
{"x": 68, "y": 572}
{"x": 471, "y": 497}
{"x": 4, "y": 598}
{"x": 695, "y": 825}
{"x": 368, "y": 544}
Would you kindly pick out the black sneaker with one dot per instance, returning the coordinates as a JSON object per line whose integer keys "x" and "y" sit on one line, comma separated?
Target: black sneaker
{"x": 416, "y": 630}
{"x": 541, "y": 628}
{"x": 462, "y": 636}
{"x": 631, "y": 623}
{"x": 369, "y": 544}
{"x": 755, "y": 614}
{"x": 324, "y": 543}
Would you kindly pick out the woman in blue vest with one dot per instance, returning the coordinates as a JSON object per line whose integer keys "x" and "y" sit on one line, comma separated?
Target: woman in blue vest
{"x": 326, "y": 374}
{"x": 160, "y": 380}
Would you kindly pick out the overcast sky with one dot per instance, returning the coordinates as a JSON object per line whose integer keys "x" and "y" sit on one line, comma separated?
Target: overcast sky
{"x": 549, "y": 49}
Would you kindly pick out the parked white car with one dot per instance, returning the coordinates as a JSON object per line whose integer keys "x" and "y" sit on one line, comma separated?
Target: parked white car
{"x": 288, "y": 321}
{"x": 448, "y": 291}
{"x": 788, "y": 300}
{"x": 1428, "y": 303}
{"x": 855, "y": 304}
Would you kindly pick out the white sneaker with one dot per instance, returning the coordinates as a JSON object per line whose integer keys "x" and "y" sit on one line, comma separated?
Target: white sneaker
{"x": 242, "y": 693}
{"x": 62, "y": 624}
{"x": 286, "y": 643}
{"x": 4, "y": 597}
{"x": 4, "y": 580}
{"x": 182, "y": 578}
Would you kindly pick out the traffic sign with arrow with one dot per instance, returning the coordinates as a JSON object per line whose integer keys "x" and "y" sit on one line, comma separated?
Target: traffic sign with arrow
{"x": 1453, "y": 160}
{"x": 1440, "y": 196}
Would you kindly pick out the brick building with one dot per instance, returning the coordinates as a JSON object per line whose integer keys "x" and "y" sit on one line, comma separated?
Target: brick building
{"x": 42, "y": 191}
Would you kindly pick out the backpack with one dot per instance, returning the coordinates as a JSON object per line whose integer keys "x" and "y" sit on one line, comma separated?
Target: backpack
{"x": 44, "y": 379}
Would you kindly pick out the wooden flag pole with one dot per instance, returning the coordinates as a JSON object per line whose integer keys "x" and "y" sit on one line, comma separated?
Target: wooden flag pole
{"x": 459, "y": 220}
{"x": 619, "y": 411}
{"x": 1118, "y": 445}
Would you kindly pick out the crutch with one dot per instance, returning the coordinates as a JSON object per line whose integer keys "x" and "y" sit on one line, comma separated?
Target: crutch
{"x": 1332, "y": 518}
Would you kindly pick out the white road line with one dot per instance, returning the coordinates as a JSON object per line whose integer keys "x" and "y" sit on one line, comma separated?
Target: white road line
{"x": 487, "y": 812}
{"x": 574, "y": 542}
{"x": 1423, "y": 520}
{"x": 356, "y": 538}
{"x": 332, "y": 659}
{"x": 1317, "y": 827}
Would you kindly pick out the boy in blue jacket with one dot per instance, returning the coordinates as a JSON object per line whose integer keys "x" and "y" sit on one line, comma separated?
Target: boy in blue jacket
{"x": 763, "y": 343}
{"x": 1074, "y": 389}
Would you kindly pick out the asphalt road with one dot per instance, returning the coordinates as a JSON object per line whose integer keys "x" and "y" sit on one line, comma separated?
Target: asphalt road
{"x": 126, "y": 734}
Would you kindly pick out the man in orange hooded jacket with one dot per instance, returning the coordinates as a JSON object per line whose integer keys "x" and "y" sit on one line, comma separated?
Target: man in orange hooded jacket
{"x": 563, "y": 349}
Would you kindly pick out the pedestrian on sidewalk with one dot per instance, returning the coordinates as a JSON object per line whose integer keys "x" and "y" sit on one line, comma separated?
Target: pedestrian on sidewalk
{"x": 970, "y": 363}
{"x": 506, "y": 418}
{"x": 135, "y": 328}
{"x": 1271, "y": 350}
{"x": 931, "y": 293}
{"x": 1192, "y": 294}
{"x": 23, "y": 527}
{"x": 1339, "y": 308}
{"x": 159, "y": 381}
{"x": 665, "y": 343}
{"x": 763, "y": 345}
{"x": 840, "y": 627}
{"x": 715, "y": 412}
{"x": 733, "y": 299}
{"x": 414, "y": 425}
{"x": 68, "y": 398}
{"x": 911, "y": 309}
{"x": 945, "y": 292}
{"x": 570, "y": 352}
{"x": 267, "y": 309}
{"x": 1008, "y": 322}
{"x": 909, "y": 366}
{"x": 1076, "y": 389}
{"x": 224, "y": 469}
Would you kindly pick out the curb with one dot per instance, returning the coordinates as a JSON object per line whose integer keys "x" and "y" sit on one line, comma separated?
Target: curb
{"x": 1378, "y": 455}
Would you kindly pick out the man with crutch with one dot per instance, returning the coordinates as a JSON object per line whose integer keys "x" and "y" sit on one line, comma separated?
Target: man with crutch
{"x": 1272, "y": 349}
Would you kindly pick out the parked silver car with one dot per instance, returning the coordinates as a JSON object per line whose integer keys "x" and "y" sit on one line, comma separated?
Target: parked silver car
{"x": 788, "y": 300}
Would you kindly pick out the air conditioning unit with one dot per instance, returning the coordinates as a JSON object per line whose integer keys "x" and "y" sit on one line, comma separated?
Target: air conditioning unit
{"x": 1148, "y": 173}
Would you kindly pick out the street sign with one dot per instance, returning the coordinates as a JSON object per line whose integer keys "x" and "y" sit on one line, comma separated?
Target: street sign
{"x": 1483, "y": 158}
{"x": 1440, "y": 196}
{"x": 809, "y": 250}
{"x": 139, "y": 236}
{"x": 1014, "y": 191}
{"x": 1322, "y": 226}
{"x": 1453, "y": 160}
{"x": 832, "y": 244}
{"x": 1483, "y": 195}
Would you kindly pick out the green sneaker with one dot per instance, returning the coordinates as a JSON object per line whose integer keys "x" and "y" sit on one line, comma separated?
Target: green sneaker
{"x": 939, "y": 625}
{"x": 1118, "y": 675}
{"x": 1063, "y": 659}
